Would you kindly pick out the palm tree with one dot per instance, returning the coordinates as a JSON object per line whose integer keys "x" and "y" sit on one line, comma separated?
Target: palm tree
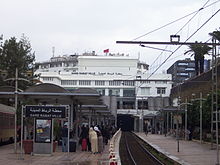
{"x": 216, "y": 35}
{"x": 198, "y": 51}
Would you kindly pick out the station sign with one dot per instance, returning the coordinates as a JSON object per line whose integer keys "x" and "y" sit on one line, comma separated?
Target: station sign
{"x": 45, "y": 111}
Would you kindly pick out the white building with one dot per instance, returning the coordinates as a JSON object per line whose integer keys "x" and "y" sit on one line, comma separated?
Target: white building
{"x": 122, "y": 77}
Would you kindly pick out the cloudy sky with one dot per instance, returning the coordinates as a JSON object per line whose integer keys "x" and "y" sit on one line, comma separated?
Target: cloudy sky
{"x": 77, "y": 26}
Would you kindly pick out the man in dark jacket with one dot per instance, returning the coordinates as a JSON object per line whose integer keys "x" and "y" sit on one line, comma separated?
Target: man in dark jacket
{"x": 64, "y": 135}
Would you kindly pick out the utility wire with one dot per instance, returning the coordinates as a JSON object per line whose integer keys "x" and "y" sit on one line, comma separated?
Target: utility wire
{"x": 174, "y": 21}
{"x": 184, "y": 42}
{"x": 185, "y": 25}
{"x": 189, "y": 21}
{"x": 192, "y": 17}
{"x": 159, "y": 56}
{"x": 155, "y": 48}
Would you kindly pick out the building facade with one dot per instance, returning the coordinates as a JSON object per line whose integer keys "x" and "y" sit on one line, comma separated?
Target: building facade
{"x": 124, "y": 79}
{"x": 183, "y": 70}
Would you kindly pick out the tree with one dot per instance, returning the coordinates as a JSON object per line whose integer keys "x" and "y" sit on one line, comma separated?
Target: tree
{"x": 216, "y": 35}
{"x": 194, "y": 114}
{"x": 16, "y": 54}
{"x": 198, "y": 51}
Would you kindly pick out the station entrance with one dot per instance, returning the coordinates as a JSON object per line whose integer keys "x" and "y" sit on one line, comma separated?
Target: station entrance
{"x": 125, "y": 122}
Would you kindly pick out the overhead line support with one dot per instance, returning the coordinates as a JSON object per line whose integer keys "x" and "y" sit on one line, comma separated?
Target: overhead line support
{"x": 164, "y": 43}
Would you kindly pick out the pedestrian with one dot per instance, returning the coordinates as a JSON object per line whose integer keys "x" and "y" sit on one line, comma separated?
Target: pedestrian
{"x": 64, "y": 136}
{"x": 146, "y": 128}
{"x": 93, "y": 138}
{"x": 83, "y": 138}
{"x": 100, "y": 139}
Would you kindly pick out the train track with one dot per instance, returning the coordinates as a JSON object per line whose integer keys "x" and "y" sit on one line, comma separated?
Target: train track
{"x": 133, "y": 151}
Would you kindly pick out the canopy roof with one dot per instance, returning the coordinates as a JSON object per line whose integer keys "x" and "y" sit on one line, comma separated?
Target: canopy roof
{"x": 7, "y": 109}
{"x": 54, "y": 94}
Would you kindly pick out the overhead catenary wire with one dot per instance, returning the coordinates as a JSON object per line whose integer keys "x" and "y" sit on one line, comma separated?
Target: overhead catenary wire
{"x": 174, "y": 21}
{"x": 184, "y": 42}
{"x": 192, "y": 17}
{"x": 186, "y": 24}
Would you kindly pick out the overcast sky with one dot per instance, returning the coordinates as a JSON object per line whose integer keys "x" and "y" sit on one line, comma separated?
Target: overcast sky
{"x": 77, "y": 26}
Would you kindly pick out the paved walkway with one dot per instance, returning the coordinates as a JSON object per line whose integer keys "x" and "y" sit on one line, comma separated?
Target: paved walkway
{"x": 8, "y": 157}
{"x": 190, "y": 152}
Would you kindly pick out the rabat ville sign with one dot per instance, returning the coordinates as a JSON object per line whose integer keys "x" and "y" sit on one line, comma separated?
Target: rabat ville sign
{"x": 45, "y": 111}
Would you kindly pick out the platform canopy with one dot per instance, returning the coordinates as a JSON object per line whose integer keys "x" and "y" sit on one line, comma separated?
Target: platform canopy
{"x": 172, "y": 109}
{"x": 47, "y": 93}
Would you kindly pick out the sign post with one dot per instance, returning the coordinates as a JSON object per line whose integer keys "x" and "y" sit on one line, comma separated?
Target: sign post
{"x": 44, "y": 115}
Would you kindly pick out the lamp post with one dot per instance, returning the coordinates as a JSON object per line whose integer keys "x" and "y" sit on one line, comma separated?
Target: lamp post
{"x": 186, "y": 115}
{"x": 200, "y": 108}
{"x": 200, "y": 114}
{"x": 138, "y": 86}
{"x": 16, "y": 105}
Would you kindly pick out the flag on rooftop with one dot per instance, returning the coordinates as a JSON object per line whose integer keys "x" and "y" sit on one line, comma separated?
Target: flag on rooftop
{"x": 106, "y": 50}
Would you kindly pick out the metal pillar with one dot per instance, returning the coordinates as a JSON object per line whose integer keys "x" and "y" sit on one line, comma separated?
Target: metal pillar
{"x": 16, "y": 107}
{"x": 200, "y": 109}
{"x": 167, "y": 122}
{"x": 22, "y": 126}
{"x": 186, "y": 116}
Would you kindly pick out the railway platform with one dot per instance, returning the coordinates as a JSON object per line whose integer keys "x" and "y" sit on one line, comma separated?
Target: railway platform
{"x": 8, "y": 157}
{"x": 190, "y": 152}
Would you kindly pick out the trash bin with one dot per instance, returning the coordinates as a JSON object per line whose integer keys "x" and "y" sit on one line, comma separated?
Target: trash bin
{"x": 72, "y": 146}
{"x": 28, "y": 146}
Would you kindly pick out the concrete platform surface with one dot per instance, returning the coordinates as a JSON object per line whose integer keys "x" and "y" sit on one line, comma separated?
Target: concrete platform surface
{"x": 8, "y": 157}
{"x": 190, "y": 152}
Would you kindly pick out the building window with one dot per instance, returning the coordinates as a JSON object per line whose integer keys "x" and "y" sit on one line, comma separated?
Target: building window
{"x": 161, "y": 90}
{"x": 101, "y": 92}
{"x": 190, "y": 69}
{"x": 182, "y": 64}
{"x": 84, "y": 82}
{"x": 114, "y": 92}
{"x": 144, "y": 82}
{"x": 114, "y": 83}
{"x": 142, "y": 104}
{"x": 128, "y": 105}
{"x": 128, "y": 92}
{"x": 99, "y": 83}
{"x": 128, "y": 83}
{"x": 47, "y": 78}
{"x": 68, "y": 82}
{"x": 182, "y": 74}
{"x": 145, "y": 91}
{"x": 160, "y": 82}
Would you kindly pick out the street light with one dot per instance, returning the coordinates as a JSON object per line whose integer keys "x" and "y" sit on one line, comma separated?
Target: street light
{"x": 186, "y": 115}
{"x": 200, "y": 113}
{"x": 16, "y": 105}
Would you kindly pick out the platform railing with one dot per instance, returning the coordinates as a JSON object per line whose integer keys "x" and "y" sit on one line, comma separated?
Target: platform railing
{"x": 114, "y": 158}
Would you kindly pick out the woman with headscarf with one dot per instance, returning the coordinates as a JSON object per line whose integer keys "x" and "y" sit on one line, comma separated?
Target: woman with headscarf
{"x": 93, "y": 138}
{"x": 100, "y": 139}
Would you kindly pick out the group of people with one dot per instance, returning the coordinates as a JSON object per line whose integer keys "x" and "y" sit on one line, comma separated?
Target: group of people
{"x": 91, "y": 139}
{"x": 94, "y": 138}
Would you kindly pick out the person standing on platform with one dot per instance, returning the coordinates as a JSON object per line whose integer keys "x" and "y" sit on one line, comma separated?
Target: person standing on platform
{"x": 88, "y": 142}
{"x": 83, "y": 137}
{"x": 64, "y": 136}
{"x": 100, "y": 139}
{"x": 93, "y": 138}
{"x": 146, "y": 127}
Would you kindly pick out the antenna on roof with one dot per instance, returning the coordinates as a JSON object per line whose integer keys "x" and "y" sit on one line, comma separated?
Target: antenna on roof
{"x": 53, "y": 50}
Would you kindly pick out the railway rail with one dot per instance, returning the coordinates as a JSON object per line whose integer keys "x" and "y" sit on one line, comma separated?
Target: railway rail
{"x": 135, "y": 151}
